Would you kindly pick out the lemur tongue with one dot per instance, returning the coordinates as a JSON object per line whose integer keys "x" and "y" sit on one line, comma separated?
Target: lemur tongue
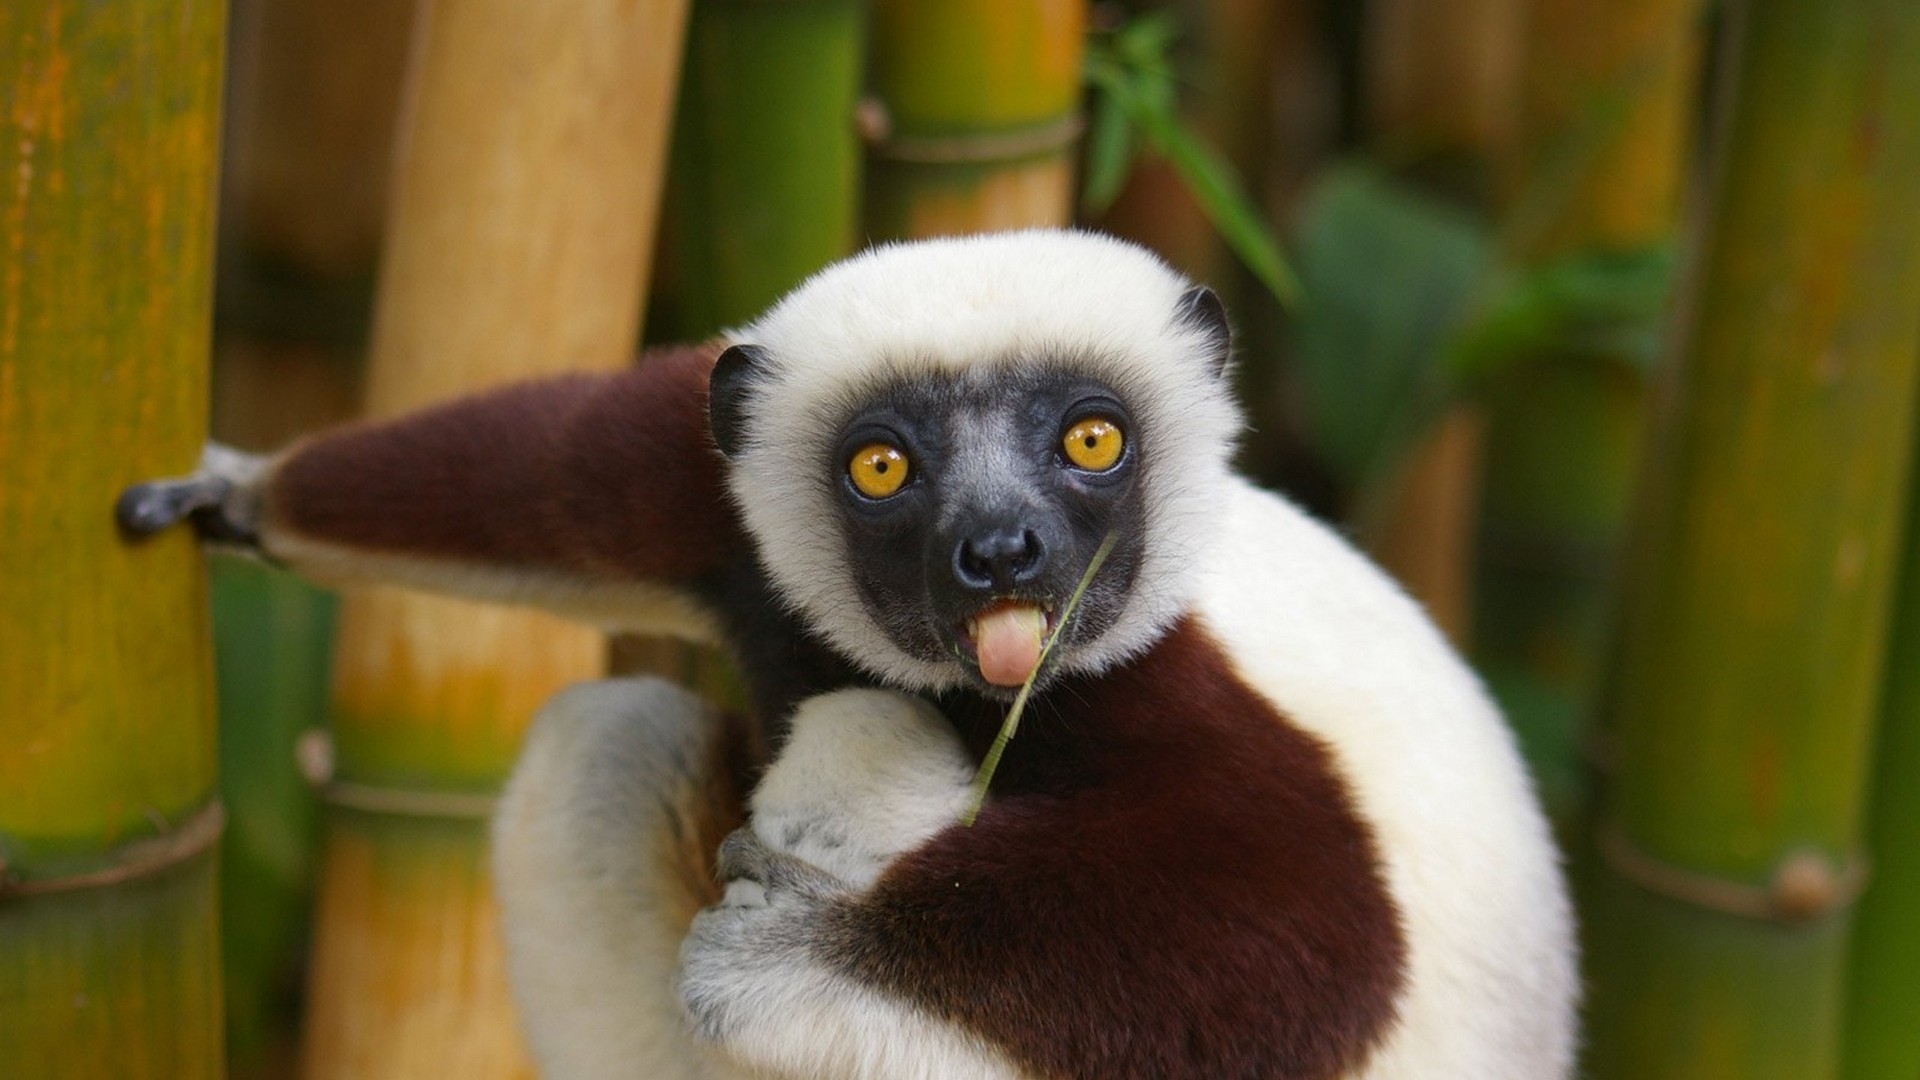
{"x": 1007, "y": 639}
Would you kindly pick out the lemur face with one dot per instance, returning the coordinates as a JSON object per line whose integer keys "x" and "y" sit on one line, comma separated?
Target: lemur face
{"x": 928, "y": 443}
{"x": 970, "y": 504}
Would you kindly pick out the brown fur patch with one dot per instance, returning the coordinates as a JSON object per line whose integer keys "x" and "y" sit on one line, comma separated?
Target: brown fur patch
{"x": 606, "y": 475}
{"x": 1170, "y": 880}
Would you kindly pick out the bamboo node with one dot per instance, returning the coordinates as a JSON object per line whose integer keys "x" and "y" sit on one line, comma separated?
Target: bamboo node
{"x": 875, "y": 126}
{"x": 1806, "y": 885}
{"x": 142, "y": 858}
{"x": 315, "y": 754}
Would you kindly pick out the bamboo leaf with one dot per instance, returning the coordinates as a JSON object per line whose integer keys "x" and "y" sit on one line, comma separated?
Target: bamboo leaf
{"x": 1606, "y": 305}
{"x": 1389, "y": 276}
{"x": 1110, "y": 149}
{"x": 1133, "y": 78}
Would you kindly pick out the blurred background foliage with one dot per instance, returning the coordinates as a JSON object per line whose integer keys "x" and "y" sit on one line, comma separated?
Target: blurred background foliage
{"x": 1595, "y": 321}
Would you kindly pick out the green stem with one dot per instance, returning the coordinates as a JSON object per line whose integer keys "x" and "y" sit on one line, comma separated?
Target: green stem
{"x": 984, "y": 777}
{"x": 109, "y": 141}
{"x": 1762, "y": 560}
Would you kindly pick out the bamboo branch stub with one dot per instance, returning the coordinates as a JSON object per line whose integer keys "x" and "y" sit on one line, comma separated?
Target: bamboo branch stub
{"x": 993, "y": 76}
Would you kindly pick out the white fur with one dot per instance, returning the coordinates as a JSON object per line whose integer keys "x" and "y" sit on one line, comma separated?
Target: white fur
{"x": 580, "y": 839}
{"x": 1493, "y": 985}
{"x": 865, "y": 776}
{"x": 635, "y": 607}
{"x": 997, "y": 300}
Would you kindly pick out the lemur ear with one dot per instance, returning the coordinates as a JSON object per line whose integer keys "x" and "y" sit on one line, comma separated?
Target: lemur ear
{"x": 733, "y": 376}
{"x": 1200, "y": 309}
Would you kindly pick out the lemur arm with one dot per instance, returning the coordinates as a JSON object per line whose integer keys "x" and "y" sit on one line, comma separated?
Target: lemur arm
{"x": 597, "y": 495}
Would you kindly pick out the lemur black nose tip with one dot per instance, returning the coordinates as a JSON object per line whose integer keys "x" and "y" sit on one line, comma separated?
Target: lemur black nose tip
{"x": 999, "y": 560}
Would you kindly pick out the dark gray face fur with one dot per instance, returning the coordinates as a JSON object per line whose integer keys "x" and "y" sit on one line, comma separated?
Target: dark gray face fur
{"x": 992, "y": 509}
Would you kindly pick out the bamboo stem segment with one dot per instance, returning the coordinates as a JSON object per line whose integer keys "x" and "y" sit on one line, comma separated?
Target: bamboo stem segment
{"x": 109, "y": 956}
{"x": 1607, "y": 95}
{"x": 522, "y": 219}
{"x": 1883, "y": 1000}
{"x": 974, "y": 117}
{"x": 1762, "y": 560}
{"x": 766, "y": 157}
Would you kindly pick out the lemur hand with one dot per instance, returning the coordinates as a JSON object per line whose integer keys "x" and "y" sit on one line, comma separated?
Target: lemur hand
{"x": 221, "y": 498}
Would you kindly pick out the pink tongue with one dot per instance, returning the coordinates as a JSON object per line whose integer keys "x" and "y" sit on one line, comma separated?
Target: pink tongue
{"x": 1007, "y": 640}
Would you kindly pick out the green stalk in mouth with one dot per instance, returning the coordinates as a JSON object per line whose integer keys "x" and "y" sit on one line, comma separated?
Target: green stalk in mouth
{"x": 1012, "y": 723}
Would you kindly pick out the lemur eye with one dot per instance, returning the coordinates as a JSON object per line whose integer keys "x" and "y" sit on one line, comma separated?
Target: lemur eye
{"x": 878, "y": 470}
{"x": 1094, "y": 443}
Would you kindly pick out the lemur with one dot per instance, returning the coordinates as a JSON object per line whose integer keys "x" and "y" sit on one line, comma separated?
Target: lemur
{"x": 1259, "y": 820}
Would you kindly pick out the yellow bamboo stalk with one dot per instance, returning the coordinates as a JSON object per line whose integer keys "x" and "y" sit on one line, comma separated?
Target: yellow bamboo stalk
{"x": 974, "y": 115}
{"x": 109, "y": 135}
{"x": 528, "y": 173}
{"x": 1441, "y": 83}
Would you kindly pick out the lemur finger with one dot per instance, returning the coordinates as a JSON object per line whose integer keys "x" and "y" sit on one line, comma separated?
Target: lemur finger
{"x": 221, "y": 498}
{"x": 145, "y": 509}
{"x": 743, "y": 857}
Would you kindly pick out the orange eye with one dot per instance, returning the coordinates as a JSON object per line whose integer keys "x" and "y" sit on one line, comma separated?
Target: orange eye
{"x": 878, "y": 470}
{"x": 1094, "y": 443}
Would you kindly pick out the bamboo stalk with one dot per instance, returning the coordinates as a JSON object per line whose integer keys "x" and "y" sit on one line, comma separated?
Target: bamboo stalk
{"x": 1441, "y": 82}
{"x": 522, "y": 217}
{"x": 1883, "y": 1001}
{"x": 974, "y": 116}
{"x": 765, "y": 182}
{"x": 763, "y": 189}
{"x": 1441, "y": 79}
{"x": 313, "y": 93}
{"x": 109, "y": 146}
{"x": 1761, "y": 564}
{"x": 1603, "y": 140}
{"x": 272, "y": 635}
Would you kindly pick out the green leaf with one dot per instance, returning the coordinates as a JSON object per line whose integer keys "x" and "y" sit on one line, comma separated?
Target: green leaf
{"x": 1607, "y": 305}
{"x": 1389, "y": 276}
{"x": 1110, "y": 151}
{"x": 1136, "y": 91}
{"x": 1216, "y": 188}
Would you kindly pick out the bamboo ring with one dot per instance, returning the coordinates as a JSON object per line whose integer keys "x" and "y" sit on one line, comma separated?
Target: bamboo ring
{"x": 142, "y": 858}
{"x": 1806, "y": 885}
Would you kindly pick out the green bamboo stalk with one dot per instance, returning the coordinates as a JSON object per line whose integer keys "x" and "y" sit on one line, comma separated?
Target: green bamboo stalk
{"x": 763, "y": 189}
{"x": 109, "y": 142}
{"x": 764, "y": 183}
{"x": 272, "y": 636}
{"x": 1761, "y": 564}
{"x": 974, "y": 116}
{"x": 1883, "y": 1001}
{"x": 1601, "y": 144}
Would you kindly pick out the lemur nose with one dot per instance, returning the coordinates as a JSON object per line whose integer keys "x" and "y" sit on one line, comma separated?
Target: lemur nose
{"x": 999, "y": 560}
